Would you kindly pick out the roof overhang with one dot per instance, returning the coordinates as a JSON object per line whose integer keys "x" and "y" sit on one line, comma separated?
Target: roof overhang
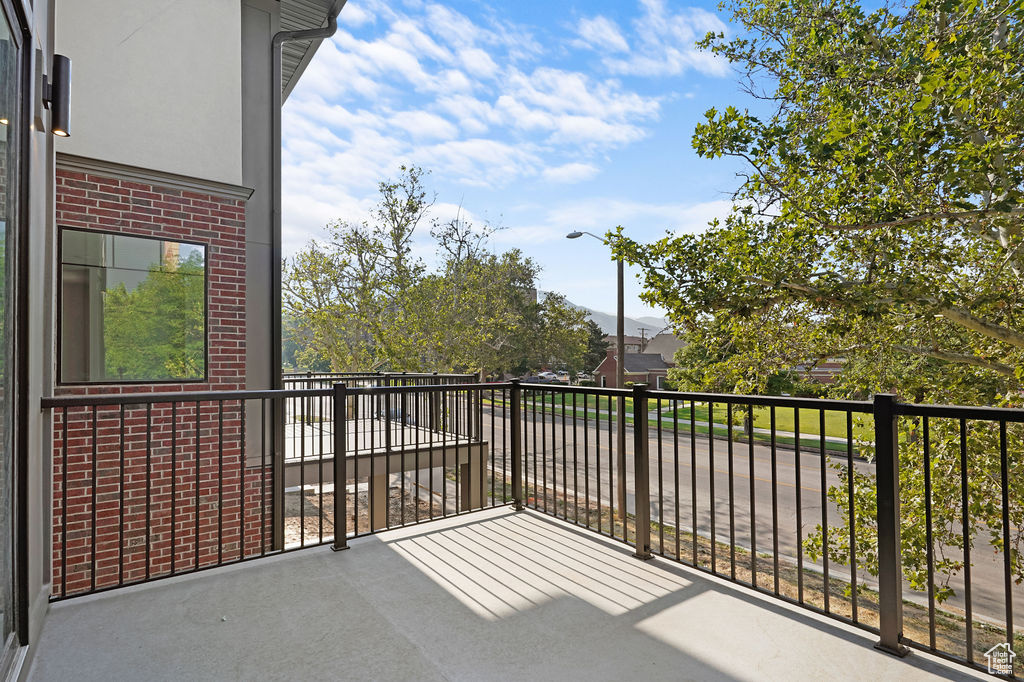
{"x": 298, "y": 15}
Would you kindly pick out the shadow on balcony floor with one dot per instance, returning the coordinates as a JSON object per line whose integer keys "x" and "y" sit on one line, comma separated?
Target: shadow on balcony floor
{"x": 496, "y": 595}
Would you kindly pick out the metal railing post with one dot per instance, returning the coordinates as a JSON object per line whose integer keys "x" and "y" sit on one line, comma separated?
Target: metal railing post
{"x": 641, "y": 474}
{"x": 890, "y": 570}
{"x": 620, "y": 468}
{"x": 340, "y": 475}
{"x": 517, "y": 445}
{"x": 278, "y": 423}
{"x": 434, "y": 408}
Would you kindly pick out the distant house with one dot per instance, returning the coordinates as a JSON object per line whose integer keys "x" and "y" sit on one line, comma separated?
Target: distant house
{"x": 633, "y": 344}
{"x": 647, "y": 368}
{"x": 664, "y": 344}
{"x": 822, "y": 372}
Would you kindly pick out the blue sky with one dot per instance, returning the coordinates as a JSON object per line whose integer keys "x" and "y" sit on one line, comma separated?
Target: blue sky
{"x": 540, "y": 117}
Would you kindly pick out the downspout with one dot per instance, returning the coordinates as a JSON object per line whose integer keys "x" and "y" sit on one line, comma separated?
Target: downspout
{"x": 277, "y": 100}
{"x": 277, "y": 406}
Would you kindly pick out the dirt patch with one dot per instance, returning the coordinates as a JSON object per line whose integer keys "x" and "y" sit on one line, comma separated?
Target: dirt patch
{"x": 309, "y": 518}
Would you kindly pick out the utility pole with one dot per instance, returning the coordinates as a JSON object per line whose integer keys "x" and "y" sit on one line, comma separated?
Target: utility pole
{"x": 620, "y": 381}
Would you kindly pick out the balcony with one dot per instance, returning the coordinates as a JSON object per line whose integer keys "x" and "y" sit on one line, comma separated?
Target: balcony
{"x": 606, "y": 532}
{"x": 493, "y": 595}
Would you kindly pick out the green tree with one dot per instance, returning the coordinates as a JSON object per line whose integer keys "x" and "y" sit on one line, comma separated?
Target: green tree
{"x": 157, "y": 330}
{"x": 597, "y": 347}
{"x": 363, "y": 302}
{"x": 879, "y": 220}
{"x": 298, "y": 351}
{"x": 350, "y": 296}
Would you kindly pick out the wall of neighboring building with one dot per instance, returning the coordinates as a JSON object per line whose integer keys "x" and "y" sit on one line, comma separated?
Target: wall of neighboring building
{"x": 105, "y": 199}
{"x": 605, "y": 374}
{"x": 143, "y": 95}
{"x": 633, "y": 344}
{"x": 260, "y": 21}
{"x": 110, "y": 198}
{"x": 172, "y": 143}
{"x": 140, "y": 100}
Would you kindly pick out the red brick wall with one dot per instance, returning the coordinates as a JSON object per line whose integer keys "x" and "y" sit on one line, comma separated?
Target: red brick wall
{"x": 145, "y": 465}
{"x": 92, "y": 201}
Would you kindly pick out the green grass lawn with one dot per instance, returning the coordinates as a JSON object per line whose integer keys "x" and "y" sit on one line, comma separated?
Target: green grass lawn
{"x": 785, "y": 420}
{"x": 594, "y": 407}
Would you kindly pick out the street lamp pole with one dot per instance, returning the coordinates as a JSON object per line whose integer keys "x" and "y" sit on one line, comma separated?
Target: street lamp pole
{"x": 620, "y": 382}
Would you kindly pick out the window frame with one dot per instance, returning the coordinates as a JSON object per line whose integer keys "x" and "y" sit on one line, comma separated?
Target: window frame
{"x": 18, "y": 16}
{"x": 60, "y": 310}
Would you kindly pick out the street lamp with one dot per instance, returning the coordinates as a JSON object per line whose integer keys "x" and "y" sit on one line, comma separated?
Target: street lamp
{"x": 620, "y": 339}
{"x": 620, "y": 378}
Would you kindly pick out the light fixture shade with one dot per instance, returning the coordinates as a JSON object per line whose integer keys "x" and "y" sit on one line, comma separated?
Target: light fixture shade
{"x": 60, "y": 96}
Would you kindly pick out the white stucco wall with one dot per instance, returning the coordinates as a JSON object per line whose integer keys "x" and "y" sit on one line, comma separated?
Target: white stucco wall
{"x": 155, "y": 84}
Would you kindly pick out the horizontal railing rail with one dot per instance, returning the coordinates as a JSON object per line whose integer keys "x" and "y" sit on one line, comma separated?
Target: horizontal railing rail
{"x": 870, "y": 512}
{"x": 51, "y": 402}
{"x": 375, "y": 378}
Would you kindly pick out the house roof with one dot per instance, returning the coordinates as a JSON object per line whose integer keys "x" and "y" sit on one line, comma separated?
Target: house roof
{"x": 637, "y": 363}
{"x": 626, "y": 338}
{"x": 664, "y": 344}
{"x": 298, "y": 15}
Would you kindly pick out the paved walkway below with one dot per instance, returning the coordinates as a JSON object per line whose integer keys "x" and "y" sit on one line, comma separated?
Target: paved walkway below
{"x": 490, "y": 596}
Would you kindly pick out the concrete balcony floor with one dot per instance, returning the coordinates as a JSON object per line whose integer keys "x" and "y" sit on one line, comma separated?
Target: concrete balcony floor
{"x": 490, "y": 596}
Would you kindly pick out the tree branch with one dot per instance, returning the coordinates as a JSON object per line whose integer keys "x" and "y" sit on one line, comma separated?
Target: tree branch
{"x": 990, "y": 329}
{"x": 961, "y": 358}
{"x": 945, "y": 215}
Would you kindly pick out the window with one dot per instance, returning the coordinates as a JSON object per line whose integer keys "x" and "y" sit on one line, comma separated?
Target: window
{"x": 133, "y": 309}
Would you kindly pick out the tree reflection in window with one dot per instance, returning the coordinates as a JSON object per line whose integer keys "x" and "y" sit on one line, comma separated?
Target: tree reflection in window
{"x": 133, "y": 309}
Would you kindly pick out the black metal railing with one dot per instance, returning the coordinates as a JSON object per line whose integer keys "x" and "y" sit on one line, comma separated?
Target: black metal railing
{"x": 796, "y": 498}
{"x": 970, "y": 461}
{"x": 147, "y": 486}
{"x": 152, "y": 485}
{"x": 304, "y": 411}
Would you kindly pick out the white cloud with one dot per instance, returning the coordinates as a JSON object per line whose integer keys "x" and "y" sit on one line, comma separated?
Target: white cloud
{"x": 481, "y": 161}
{"x": 475, "y": 116}
{"x": 593, "y": 132}
{"x": 421, "y": 84}
{"x": 356, "y": 15}
{"x": 422, "y": 124}
{"x": 601, "y": 34}
{"x": 575, "y": 109}
{"x": 436, "y": 76}
{"x": 574, "y": 92}
{"x": 663, "y": 42}
{"x": 600, "y": 214}
{"x": 570, "y": 172}
{"x": 478, "y": 63}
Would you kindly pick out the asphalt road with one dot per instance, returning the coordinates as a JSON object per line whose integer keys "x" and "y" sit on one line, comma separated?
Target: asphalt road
{"x": 700, "y": 466}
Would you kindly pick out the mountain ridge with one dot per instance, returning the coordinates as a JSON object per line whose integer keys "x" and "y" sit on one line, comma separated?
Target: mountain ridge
{"x": 632, "y": 326}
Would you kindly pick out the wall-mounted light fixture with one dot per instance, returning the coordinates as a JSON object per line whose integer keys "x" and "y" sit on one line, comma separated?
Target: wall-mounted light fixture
{"x": 57, "y": 96}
